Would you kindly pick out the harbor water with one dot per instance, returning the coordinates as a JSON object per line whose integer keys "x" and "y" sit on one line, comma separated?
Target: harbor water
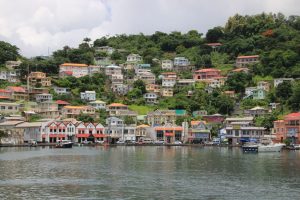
{"x": 147, "y": 172}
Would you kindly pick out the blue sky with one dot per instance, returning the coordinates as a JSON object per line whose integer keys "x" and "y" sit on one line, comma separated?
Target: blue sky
{"x": 38, "y": 25}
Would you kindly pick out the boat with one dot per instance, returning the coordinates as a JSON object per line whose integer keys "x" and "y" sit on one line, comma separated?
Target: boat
{"x": 271, "y": 147}
{"x": 64, "y": 144}
{"x": 250, "y": 147}
{"x": 294, "y": 147}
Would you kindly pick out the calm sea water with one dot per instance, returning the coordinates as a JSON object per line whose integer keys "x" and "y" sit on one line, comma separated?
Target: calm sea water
{"x": 147, "y": 173}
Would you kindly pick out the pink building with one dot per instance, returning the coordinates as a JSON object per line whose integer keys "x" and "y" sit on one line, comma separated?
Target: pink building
{"x": 204, "y": 74}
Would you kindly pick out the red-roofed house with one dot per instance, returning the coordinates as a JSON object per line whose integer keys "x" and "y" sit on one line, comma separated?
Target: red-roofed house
{"x": 204, "y": 74}
{"x": 244, "y": 61}
{"x": 18, "y": 93}
{"x": 5, "y": 94}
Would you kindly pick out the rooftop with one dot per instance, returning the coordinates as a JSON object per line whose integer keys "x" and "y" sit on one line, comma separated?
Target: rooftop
{"x": 73, "y": 65}
{"x": 252, "y": 56}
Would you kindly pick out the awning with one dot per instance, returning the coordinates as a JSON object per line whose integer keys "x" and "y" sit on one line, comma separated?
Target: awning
{"x": 57, "y": 135}
{"x": 83, "y": 135}
{"x": 99, "y": 135}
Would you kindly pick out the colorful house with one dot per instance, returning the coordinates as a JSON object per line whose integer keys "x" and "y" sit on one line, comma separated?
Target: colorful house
{"x": 204, "y": 74}
{"x": 199, "y": 132}
{"x": 169, "y": 133}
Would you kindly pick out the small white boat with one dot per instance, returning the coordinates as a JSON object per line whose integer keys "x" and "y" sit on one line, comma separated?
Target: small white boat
{"x": 64, "y": 144}
{"x": 270, "y": 147}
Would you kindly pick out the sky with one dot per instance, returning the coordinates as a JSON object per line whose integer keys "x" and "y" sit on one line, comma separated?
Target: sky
{"x": 39, "y": 27}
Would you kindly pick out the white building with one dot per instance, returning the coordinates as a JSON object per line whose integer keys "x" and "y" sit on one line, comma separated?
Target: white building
{"x": 168, "y": 82}
{"x": 61, "y": 90}
{"x": 181, "y": 61}
{"x": 277, "y": 81}
{"x": 43, "y": 97}
{"x": 167, "y": 64}
{"x": 98, "y": 104}
{"x": 150, "y": 98}
{"x": 134, "y": 58}
{"x": 9, "y": 75}
{"x": 88, "y": 95}
{"x": 77, "y": 70}
{"x": 107, "y": 49}
{"x": 249, "y": 90}
{"x": 112, "y": 70}
{"x": 9, "y": 108}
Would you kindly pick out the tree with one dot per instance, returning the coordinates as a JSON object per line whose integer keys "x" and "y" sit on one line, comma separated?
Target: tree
{"x": 139, "y": 84}
{"x": 8, "y": 52}
{"x": 238, "y": 82}
{"x": 215, "y": 34}
{"x": 294, "y": 100}
{"x": 284, "y": 90}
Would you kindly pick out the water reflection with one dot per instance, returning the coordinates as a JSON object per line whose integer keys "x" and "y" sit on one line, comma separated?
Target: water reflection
{"x": 147, "y": 172}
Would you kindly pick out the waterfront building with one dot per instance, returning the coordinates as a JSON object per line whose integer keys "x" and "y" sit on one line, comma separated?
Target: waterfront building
{"x": 244, "y": 61}
{"x": 13, "y": 135}
{"x": 116, "y": 129}
{"x": 169, "y": 133}
{"x": 199, "y": 132}
{"x": 90, "y": 132}
{"x": 289, "y": 128}
{"x": 32, "y": 130}
{"x": 142, "y": 131}
{"x": 39, "y": 79}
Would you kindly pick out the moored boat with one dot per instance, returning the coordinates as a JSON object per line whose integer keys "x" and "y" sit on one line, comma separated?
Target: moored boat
{"x": 270, "y": 147}
{"x": 64, "y": 144}
{"x": 250, "y": 147}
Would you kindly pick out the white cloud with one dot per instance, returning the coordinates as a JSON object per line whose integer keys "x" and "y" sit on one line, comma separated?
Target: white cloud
{"x": 38, "y": 25}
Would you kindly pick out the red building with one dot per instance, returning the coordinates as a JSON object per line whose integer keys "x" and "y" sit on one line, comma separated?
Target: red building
{"x": 289, "y": 128}
{"x": 204, "y": 74}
